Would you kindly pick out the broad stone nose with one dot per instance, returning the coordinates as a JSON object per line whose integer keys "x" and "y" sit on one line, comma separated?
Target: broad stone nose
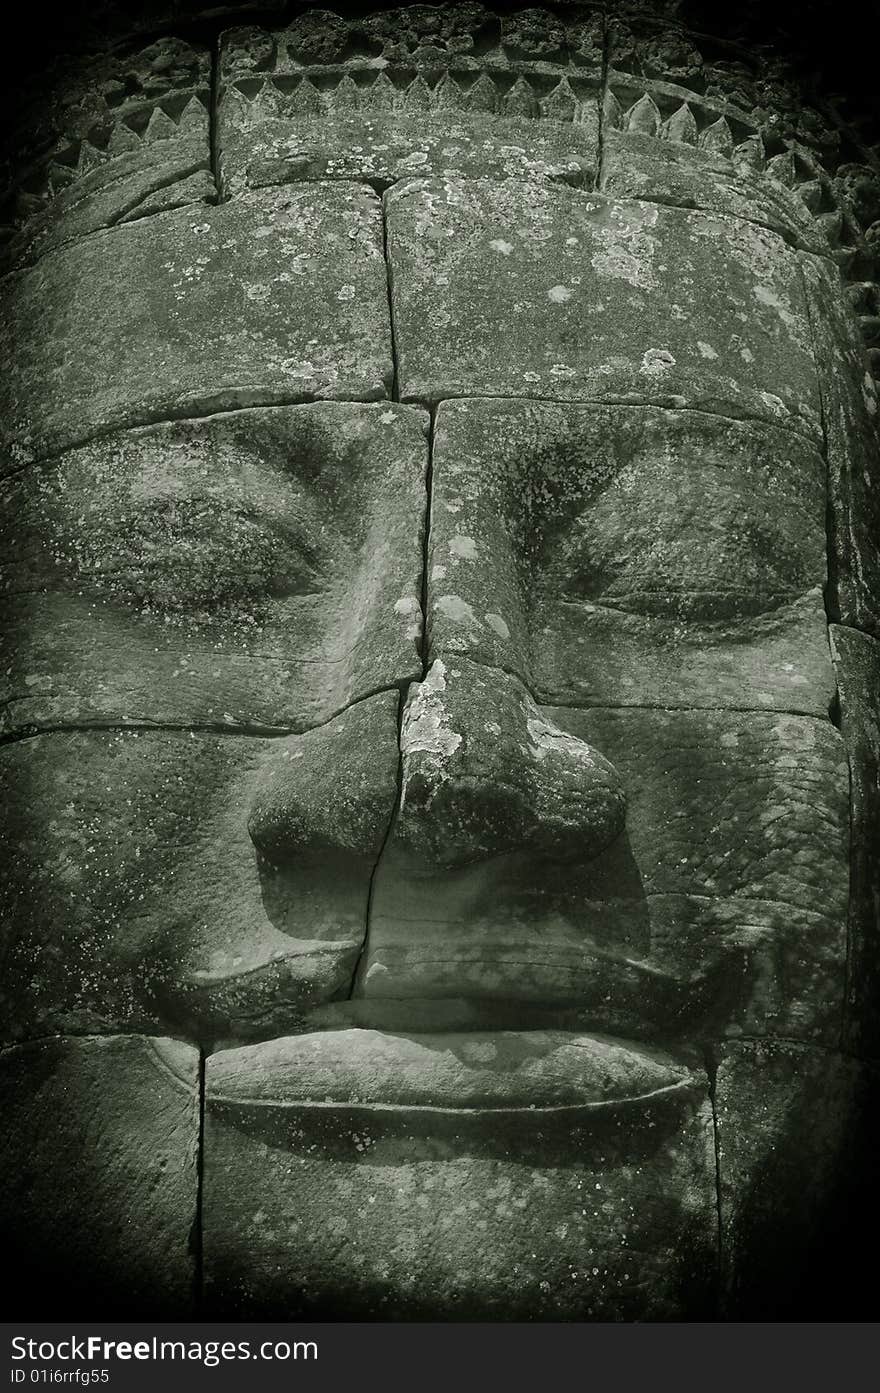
{"x": 485, "y": 773}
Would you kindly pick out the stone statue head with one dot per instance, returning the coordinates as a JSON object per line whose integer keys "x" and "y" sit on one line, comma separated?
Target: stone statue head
{"x": 441, "y": 714}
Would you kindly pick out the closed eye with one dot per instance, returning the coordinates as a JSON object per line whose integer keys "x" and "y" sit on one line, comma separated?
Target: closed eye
{"x": 199, "y": 554}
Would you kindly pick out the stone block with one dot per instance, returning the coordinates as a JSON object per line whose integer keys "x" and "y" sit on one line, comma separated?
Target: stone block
{"x": 684, "y": 175}
{"x": 797, "y": 1141}
{"x": 720, "y": 908}
{"x": 630, "y": 556}
{"x": 99, "y": 1185}
{"x": 857, "y": 663}
{"x": 850, "y": 413}
{"x": 317, "y": 1207}
{"x": 506, "y": 289}
{"x": 208, "y": 884}
{"x": 255, "y": 568}
{"x": 110, "y": 139}
{"x": 275, "y": 298}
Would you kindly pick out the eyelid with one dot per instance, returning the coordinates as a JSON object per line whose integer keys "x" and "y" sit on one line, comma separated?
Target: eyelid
{"x": 174, "y": 553}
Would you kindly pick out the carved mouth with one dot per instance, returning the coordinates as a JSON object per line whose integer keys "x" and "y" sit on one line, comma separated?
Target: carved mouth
{"x": 495, "y": 1072}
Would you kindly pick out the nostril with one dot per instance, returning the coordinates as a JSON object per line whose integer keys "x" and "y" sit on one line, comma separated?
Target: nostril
{"x": 485, "y": 773}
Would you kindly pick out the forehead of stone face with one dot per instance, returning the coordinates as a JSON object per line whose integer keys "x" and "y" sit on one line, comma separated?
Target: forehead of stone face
{"x": 276, "y": 297}
{"x": 631, "y": 554}
{"x": 259, "y": 566}
{"x": 518, "y": 289}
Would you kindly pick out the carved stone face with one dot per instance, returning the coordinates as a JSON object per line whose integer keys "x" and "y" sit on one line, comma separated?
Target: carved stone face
{"x": 418, "y": 602}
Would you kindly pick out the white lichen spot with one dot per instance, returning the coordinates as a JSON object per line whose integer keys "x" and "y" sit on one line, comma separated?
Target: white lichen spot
{"x": 455, "y": 608}
{"x": 425, "y": 729}
{"x": 259, "y": 294}
{"x": 706, "y": 349}
{"x": 387, "y": 418}
{"x": 747, "y": 355}
{"x": 656, "y": 362}
{"x": 497, "y": 623}
{"x": 559, "y": 294}
{"x": 345, "y": 292}
{"x": 438, "y": 573}
{"x": 465, "y": 548}
{"x": 766, "y": 296}
{"x": 499, "y": 245}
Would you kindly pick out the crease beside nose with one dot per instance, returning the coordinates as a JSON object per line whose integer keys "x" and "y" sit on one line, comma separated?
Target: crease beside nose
{"x": 485, "y": 773}
{"x": 332, "y": 789}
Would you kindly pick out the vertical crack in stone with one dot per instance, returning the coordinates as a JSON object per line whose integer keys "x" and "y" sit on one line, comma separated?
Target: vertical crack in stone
{"x": 830, "y": 589}
{"x": 423, "y": 599}
{"x": 426, "y": 540}
{"x": 198, "y": 1237}
{"x": 389, "y": 281}
{"x": 830, "y": 594}
{"x": 603, "y": 93}
{"x": 214, "y": 120}
{"x": 392, "y": 821}
{"x": 711, "y": 1067}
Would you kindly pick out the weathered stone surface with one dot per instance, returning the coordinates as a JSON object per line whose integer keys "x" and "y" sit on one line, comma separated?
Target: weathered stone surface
{"x": 798, "y": 1136}
{"x": 678, "y": 171}
{"x": 504, "y": 1070}
{"x": 278, "y": 297}
{"x": 467, "y": 799}
{"x": 213, "y": 883}
{"x": 630, "y": 556}
{"x": 434, "y": 90}
{"x": 110, "y": 139}
{"x": 98, "y": 1160}
{"x": 857, "y": 663}
{"x": 260, "y": 567}
{"x": 594, "y": 298}
{"x": 465, "y": 1212}
{"x": 261, "y": 149}
{"x": 850, "y": 416}
{"x": 722, "y": 904}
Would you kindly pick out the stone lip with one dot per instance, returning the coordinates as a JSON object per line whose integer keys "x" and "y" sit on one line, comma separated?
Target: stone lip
{"x": 496, "y": 1072}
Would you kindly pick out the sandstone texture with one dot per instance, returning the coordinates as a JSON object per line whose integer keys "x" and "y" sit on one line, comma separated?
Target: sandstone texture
{"x": 592, "y": 298}
{"x": 275, "y": 298}
{"x": 857, "y": 661}
{"x": 377, "y": 1214}
{"x": 143, "y": 897}
{"x": 797, "y": 1134}
{"x": 721, "y": 906}
{"x": 682, "y": 173}
{"x": 108, "y": 141}
{"x": 256, "y": 567}
{"x": 630, "y": 556}
{"x": 852, "y": 442}
{"x": 439, "y": 727}
{"x": 111, "y": 1231}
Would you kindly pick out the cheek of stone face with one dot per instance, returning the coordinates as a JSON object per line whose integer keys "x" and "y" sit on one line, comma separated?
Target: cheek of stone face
{"x": 254, "y": 568}
{"x": 721, "y": 905}
{"x": 136, "y": 895}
